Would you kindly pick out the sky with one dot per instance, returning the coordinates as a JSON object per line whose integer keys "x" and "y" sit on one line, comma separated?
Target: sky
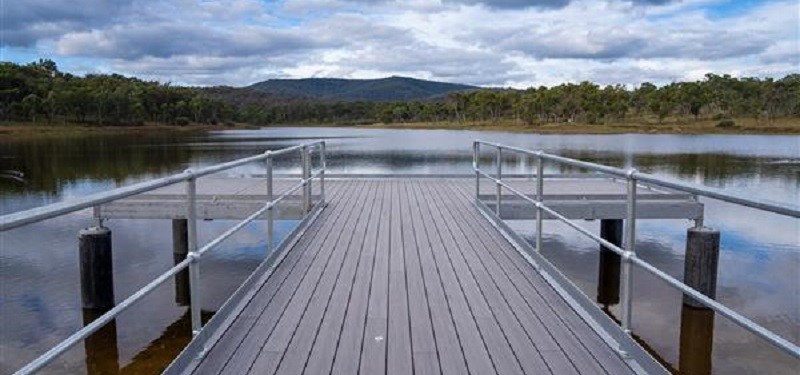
{"x": 498, "y": 43}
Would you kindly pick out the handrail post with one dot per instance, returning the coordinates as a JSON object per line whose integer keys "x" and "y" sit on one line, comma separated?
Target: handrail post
{"x": 630, "y": 252}
{"x": 539, "y": 198}
{"x": 698, "y": 222}
{"x": 98, "y": 216}
{"x": 304, "y": 159}
{"x": 498, "y": 200}
{"x": 323, "y": 165}
{"x": 476, "y": 166}
{"x": 270, "y": 223}
{"x": 194, "y": 266}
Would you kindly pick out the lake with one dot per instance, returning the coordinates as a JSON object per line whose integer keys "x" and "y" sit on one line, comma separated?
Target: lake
{"x": 759, "y": 271}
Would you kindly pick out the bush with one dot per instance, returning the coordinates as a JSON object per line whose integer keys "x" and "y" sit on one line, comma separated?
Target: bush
{"x": 726, "y": 124}
{"x": 182, "y": 121}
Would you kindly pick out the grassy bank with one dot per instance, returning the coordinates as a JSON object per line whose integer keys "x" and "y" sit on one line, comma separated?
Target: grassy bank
{"x": 21, "y": 130}
{"x": 740, "y": 126}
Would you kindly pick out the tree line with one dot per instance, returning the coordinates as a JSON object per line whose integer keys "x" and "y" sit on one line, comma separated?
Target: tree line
{"x": 38, "y": 92}
{"x": 717, "y": 97}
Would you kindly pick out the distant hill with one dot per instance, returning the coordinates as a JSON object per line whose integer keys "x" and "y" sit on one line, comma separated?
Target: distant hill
{"x": 349, "y": 90}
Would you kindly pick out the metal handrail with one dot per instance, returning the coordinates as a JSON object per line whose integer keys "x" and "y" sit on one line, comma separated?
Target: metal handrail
{"x": 627, "y": 252}
{"x": 778, "y": 208}
{"x": 194, "y": 256}
{"x": 21, "y": 218}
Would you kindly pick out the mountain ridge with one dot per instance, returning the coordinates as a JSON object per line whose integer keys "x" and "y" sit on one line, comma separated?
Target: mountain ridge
{"x": 394, "y": 88}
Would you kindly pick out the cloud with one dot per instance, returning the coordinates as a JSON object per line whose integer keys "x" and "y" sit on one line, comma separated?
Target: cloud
{"x": 486, "y": 42}
{"x": 514, "y": 4}
{"x": 782, "y": 52}
{"x": 166, "y": 40}
{"x": 625, "y": 33}
{"x": 26, "y": 22}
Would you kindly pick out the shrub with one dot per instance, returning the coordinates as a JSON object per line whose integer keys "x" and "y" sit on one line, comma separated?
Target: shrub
{"x": 726, "y": 124}
{"x": 182, "y": 121}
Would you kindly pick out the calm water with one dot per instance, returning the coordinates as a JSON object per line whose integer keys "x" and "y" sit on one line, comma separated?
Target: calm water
{"x": 40, "y": 297}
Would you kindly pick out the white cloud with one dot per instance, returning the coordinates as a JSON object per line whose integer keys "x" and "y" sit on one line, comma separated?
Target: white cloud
{"x": 488, "y": 42}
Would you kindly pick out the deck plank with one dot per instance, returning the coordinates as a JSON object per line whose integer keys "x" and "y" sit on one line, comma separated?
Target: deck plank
{"x": 323, "y": 302}
{"x": 373, "y": 344}
{"x": 398, "y": 340}
{"x": 582, "y": 345}
{"x": 541, "y": 337}
{"x": 268, "y": 316}
{"x": 310, "y": 296}
{"x": 425, "y": 356}
{"x": 483, "y": 269}
{"x": 322, "y": 355}
{"x": 448, "y": 344}
{"x": 221, "y": 350}
{"x": 472, "y": 343}
{"x": 348, "y": 351}
{"x": 495, "y": 338}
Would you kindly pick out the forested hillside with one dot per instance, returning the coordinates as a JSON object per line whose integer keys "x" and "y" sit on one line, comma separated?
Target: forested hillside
{"x": 40, "y": 93}
{"x": 716, "y": 97}
{"x": 352, "y": 90}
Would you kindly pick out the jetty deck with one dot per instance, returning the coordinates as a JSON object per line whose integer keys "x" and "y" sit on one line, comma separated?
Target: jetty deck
{"x": 406, "y": 276}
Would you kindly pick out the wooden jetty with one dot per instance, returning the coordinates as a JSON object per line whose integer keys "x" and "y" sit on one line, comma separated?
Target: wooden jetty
{"x": 405, "y": 275}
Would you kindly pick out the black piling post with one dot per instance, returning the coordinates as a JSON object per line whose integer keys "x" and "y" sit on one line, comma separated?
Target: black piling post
{"x": 609, "y": 263}
{"x": 700, "y": 265}
{"x": 96, "y": 268}
{"x": 697, "y": 320}
{"x": 180, "y": 248}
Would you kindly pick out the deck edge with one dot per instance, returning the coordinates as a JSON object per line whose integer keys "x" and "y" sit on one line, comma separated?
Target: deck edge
{"x": 636, "y": 357}
{"x": 211, "y": 332}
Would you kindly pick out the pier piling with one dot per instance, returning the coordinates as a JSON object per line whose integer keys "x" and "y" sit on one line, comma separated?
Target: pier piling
{"x": 180, "y": 248}
{"x": 96, "y": 268}
{"x": 609, "y": 263}
{"x": 700, "y": 265}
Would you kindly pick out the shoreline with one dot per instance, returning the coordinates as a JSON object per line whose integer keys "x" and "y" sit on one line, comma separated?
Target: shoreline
{"x": 701, "y": 127}
{"x": 17, "y": 131}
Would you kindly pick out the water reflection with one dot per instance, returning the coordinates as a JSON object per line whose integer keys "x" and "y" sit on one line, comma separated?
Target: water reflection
{"x": 697, "y": 340}
{"x": 102, "y": 354}
{"x": 160, "y": 352}
{"x": 50, "y": 163}
{"x": 758, "y": 266}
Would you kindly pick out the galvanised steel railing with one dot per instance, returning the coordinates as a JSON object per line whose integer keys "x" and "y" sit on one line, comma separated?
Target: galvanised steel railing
{"x": 627, "y": 252}
{"x": 19, "y": 219}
